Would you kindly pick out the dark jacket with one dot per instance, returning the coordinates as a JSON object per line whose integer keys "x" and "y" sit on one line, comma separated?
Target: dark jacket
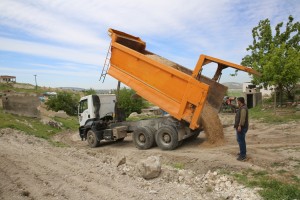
{"x": 243, "y": 122}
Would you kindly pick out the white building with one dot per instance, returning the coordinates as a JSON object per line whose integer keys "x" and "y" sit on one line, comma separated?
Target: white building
{"x": 7, "y": 79}
{"x": 248, "y": 87}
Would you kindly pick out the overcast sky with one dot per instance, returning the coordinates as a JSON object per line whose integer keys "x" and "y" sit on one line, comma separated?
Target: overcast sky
{"x": 64, "y": 42}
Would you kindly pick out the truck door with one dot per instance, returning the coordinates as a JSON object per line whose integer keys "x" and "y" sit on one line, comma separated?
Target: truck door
{"x": 83, "y": 112}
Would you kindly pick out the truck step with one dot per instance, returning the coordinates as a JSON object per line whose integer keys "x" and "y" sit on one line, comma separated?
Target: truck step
{"x": 108, "y": 135}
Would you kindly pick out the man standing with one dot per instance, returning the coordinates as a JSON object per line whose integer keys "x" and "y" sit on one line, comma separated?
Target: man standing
{"x": 241, "y": 126}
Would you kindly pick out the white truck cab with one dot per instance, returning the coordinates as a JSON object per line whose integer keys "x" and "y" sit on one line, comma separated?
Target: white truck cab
{"x": 94, "y": 107}
{"x": 96, "y": 114}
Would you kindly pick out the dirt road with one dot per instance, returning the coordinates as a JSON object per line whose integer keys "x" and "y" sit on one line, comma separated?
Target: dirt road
{"x": 31, "y": 168}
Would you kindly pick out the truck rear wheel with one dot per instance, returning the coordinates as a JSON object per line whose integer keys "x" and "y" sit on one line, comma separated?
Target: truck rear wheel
{"x": 153, "y": 132}
{"x": 143, "y": 138}
{"x": 92, "y": 139}
{"x": 167, "y": 137}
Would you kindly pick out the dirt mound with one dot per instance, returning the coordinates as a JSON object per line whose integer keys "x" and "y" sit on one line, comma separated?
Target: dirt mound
{"x": 212, "y": 125}
{"x": 48, "y": 172}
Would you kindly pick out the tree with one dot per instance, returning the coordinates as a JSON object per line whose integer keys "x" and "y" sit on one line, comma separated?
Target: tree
{"x": 65, "y": 101}
{"x": 89, "y": 92}
{"x": 276, "y": 56}
{"x": 129, "y": 101}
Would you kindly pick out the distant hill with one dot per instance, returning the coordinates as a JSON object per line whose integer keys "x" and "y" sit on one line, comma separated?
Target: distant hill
{"x": 72, "y": 88}
{"x": 233, "y": 85}
{"x": 103, "y": 91}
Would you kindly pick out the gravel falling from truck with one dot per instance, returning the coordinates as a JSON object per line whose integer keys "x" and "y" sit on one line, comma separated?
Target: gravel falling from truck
{"x": 212, "y": 125}
{"x": 169, "y": 63}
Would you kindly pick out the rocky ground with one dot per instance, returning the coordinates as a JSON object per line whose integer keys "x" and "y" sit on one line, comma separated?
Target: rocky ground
{"x": 32, "y": 168}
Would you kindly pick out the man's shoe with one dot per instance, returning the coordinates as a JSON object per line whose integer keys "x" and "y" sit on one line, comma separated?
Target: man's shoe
{"x": 241, "y": 158}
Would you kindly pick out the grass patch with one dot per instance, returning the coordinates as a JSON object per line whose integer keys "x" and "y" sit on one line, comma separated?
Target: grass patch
{"x": 70, "y": 123}
{"x": 281, "y": 171}
{"x": 178, "y": 165}
{"x": 29, "y": 125}
{"x": 9, "y": 86}
{"x": 271, "y": 188}
{"x": 33, "y": 126}
{"x": 268, "y": 116}
{"x": 235, "y": 92}
{"x": 259, "y": 173}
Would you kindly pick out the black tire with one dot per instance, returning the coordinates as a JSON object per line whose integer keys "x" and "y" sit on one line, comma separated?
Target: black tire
{"x": 92, "y": 139}
{"x": 143, "y": 138}
{"x": 153, "y": 131}
{"x": 167, "y": 137}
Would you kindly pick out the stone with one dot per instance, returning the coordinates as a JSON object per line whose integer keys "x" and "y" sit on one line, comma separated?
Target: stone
{"x": 61, "y": 114}
{"x": 134, "y": 114}
{"x": 153, "y": 192}
{"x": 149, "y": 168}
{"x": 122, "y": 161}
{"x": 52, "y": 123}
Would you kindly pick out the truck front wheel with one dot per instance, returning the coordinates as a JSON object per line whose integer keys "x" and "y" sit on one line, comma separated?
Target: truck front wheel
{"x": 167, "y": 137}
{"x": 92, "y": 139}
{"x": 143, "y": 138}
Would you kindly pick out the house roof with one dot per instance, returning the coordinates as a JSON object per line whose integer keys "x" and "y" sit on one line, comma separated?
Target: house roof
{"x": 6, "y": 76}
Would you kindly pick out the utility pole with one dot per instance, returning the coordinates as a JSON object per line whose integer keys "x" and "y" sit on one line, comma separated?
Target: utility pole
{"x": 35, "y": 82}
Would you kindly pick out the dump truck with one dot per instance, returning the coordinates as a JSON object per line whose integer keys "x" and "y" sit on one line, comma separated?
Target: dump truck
{"x": 177, "y": 90}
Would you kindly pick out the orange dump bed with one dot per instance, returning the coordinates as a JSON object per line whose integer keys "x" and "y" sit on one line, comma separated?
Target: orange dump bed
{"x": 177, "y": 90}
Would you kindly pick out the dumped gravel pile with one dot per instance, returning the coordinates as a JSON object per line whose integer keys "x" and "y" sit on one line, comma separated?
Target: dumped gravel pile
{"x": 212, "y": 125}
{"x": 211, "y": 185}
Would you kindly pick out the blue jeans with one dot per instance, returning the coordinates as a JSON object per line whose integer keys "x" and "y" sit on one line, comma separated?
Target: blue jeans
{"x": 240, "y": 137}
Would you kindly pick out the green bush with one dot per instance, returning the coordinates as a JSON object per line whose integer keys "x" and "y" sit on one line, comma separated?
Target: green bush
{"x": 129, "y": 101}
{"x": 65, "y": 101}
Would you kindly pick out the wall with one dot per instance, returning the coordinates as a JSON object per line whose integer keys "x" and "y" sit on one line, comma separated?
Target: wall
{"x": 21, "y": 104}
{"x": 252, "y": 99}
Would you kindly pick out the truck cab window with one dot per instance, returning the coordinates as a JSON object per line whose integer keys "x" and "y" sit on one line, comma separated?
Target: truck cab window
{"x": 83, "y": 106}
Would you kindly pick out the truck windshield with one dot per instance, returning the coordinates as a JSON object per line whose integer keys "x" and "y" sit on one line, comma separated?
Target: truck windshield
{"x": 83, "y": 105}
